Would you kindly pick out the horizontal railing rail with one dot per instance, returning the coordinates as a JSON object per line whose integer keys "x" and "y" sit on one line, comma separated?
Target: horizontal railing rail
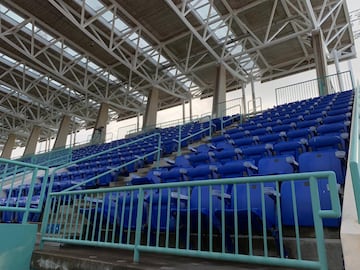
{"x": 207, "y": 219}
{"x": 50, "y": 159}
{"x": 115, "y": 168}
{"x": 20, "y": 189}
{"x": 181, "y": 139}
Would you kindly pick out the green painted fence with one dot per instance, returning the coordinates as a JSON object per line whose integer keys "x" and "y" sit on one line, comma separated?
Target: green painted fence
{"x": 156, "y": 218}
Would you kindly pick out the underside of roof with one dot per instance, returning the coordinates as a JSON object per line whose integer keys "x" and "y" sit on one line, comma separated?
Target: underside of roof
{"x": 68, "y": 56}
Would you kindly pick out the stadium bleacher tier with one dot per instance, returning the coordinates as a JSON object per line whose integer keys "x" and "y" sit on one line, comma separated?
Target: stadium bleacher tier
{"x": 304, "y": 136}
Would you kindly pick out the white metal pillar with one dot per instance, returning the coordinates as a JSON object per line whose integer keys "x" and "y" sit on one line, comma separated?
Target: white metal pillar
{"x": 219, "y": 98}
{"x": 149, "y": 118}
{"x": 338, "y": 70}
{"x": 32, "y": 141}
{"x": 183, "y": 111}
{"x": 99, "y": 132}
{"x": 243, "y": 97}
{"x": 138, "y": 122}
{"x": 253, "y": 96}
{"x": 63, "y": 132}
{"x": 320, "y": 61}
{"x": 190, "y": 108}
{"x": 8, "y": 147}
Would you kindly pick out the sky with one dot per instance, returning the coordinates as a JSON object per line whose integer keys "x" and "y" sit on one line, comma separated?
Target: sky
{"x": 266, "y": 91}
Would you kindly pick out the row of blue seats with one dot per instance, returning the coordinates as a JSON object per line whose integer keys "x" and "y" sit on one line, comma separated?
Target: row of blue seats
{"x": 162, "y": 207}
{"x": 333, "y": 101}
{"x": 284, "y": 132}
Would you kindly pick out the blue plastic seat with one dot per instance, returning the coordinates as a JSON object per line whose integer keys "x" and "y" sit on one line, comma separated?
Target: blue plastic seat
{"x": 311, "y": 162}
{"x": 258, "y": 215}
{"x": 238, "y": 168}
{"x": 243, "y": 142}
{"x": 327, "y": 142}
{"x": 225, "y": 155}
{"x": 256, "y": 152}
{"x": 293, "y": 148}
{"x": 303, "y": 133}
{"x": 334, "y": 129}
{"x": 160, "y": 206}
{"x": 209, "y": 201}
{"x": 201, "y": 172}
{"x": 277, "y": 165}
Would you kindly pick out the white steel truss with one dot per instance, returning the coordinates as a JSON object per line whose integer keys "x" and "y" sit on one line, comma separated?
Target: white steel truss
{"x": 51, "y": 75}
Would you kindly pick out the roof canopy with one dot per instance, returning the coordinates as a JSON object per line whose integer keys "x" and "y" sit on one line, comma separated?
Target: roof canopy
{"x": 68, "y": 56}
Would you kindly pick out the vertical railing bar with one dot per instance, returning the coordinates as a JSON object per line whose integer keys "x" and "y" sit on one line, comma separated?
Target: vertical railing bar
{"x": 158, "y": 218}
{"x": 167, "y": 231}
{"x": 281, "y": 240}
{"x": 107, "y": 226}
{"x": 199, "y": 220}
{"x": 296, "y": 221}
{"x": 236, "y": 225}
{"x": 150, "y": 221}
{"x": 130, "y": 216}
{"x": 248, "y": 204}
{"x": 188, "y": 231}
{"x": 78, "y": 203}
{"x": 101, "y": 216}
{"x": 264, "y": 223}
{"x": 116, "y": 213}
{"x": 211, "y": 211}
{"x": 95, "y": 216}
{"x": 72, "y": 212}
{"x": 177, "y": 233}
{"x": 139, "y": 220}
{"x": 318, "y": 223}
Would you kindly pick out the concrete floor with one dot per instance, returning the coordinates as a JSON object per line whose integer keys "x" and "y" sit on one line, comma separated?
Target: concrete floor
{"x": 70, "y": 257}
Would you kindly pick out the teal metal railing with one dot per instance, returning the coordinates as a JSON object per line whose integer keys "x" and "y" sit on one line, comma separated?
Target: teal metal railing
{"x": 21, "y": 191}
{"x": 354, "y": 154}
{"x": 156, "y": 151}
{"x": 313, "y": 88}
{"x": 162, "y": 218}
{"x": 50, "y": 159}
{"x": 180, "y": 139}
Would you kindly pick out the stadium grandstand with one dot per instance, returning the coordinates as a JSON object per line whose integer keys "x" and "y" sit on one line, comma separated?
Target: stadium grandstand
{"x": 245, "y": 186}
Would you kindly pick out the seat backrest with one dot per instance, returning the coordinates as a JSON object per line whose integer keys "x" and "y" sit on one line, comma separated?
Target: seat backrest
{"x": 275, "y": 165}
{"x": 322, "y": 161}
{"x": 256, "y": 196}
{"x": 326, "y": 142}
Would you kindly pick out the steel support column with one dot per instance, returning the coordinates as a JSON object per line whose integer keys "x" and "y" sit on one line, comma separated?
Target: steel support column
{"x": 32, "y": 141}
{"x": 219, "y": 99}
{"x": 99, "y": 133}
{"x": 320, "y": 61}
{"x": 63, "y": 132}
{"x": 149, "y": 118}
{"x": 8, "y": 147}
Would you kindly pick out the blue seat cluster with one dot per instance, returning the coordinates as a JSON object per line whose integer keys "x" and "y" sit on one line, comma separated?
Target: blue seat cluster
{"x": 304, "y": 136}
{"x": 103, "y": 165}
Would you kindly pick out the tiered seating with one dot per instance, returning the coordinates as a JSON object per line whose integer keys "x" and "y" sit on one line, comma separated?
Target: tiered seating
{"x": 102, "y": 168}
{"x": 266, "y": 146}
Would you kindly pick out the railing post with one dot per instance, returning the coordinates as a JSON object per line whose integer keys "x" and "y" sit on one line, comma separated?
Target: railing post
{"x": 138, "y": 225}
{"x": 45, "y": 219}
{"x": 179, "y": 142}
{"x": 318, "y": 224}
{"x": 159, "y": 152}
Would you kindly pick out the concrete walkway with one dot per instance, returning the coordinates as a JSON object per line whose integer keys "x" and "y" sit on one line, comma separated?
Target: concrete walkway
{"x": 70, "y": 257}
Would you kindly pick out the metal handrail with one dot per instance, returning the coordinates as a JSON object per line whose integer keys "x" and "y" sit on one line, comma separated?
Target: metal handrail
{"x": 180, "y": 140}
{"x": 73, "y": 216}
{"x": 158, "y": 150}
{"x": 19, "y": 172}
